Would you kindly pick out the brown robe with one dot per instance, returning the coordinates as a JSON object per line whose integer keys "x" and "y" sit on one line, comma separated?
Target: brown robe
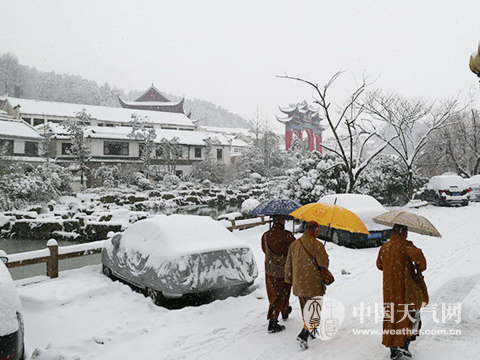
{"x": 396, "y": 259}
{"x": 275, "y": 244}
{"x": 301, "y": 270}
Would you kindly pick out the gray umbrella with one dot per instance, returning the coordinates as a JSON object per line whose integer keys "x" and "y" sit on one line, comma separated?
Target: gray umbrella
{"x": 415, "y": 223}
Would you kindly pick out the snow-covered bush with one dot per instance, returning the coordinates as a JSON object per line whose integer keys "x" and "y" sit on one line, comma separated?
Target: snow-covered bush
{"x": 318, "y": 175}
{"x": 248, "y": 205}
{"x": 209, "y": 170}
{"x": 25, "y": 184}
{"x": 386, "y": 181}
{"x": 171, "y": 180}
{"x": 107, "y": 175}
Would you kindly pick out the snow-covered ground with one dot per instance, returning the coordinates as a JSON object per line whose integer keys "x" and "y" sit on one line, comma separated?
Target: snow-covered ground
{"x": 84, "y": 315}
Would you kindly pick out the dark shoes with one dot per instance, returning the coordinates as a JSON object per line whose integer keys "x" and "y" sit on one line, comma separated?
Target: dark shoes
{"x": 287, "y": 313}
{"x": 395, "y": 353}
{"x": 274, "y": 326}
{"x": 404, "y": 349}
{"x": 302, "y": 339}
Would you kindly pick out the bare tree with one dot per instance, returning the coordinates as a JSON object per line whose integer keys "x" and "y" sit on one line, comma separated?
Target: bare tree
{"x": 257, "y": 125}
{"x": 412, "y": 121}
{"x": 351, "y": 136}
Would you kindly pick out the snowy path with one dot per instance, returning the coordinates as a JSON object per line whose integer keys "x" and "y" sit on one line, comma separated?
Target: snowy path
{"x": 84, "y": 315}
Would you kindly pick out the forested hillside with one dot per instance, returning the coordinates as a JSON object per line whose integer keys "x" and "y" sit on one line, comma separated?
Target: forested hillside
{"x": 22, "y": 81}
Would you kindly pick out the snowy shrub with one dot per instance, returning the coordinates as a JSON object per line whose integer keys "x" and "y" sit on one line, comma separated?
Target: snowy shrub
{"x": 171, "y": 180}
{"x": 248, "y": 205}
{"x": 142, "y": 182}
{"x": 318, "y": 175}
{"x": 386, "y": 181}
{"x": 107, "y": 175}
{"x": 209, "y": 170}
{"x": 26, "y": 184}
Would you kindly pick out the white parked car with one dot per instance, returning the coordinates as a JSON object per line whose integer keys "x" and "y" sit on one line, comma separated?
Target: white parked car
{"x": 180, "y": 256}
{"x": 474, "y": 183}
{"x": 446, "y": 190}
{"x": 11, "y": 321}
{"x": 366, "y": 207}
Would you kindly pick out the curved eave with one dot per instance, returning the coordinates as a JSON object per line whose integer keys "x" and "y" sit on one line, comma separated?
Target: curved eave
{"x": 288, "y": 110}
{"x": 284, "y": 120}
{"x": 167, "y": 107}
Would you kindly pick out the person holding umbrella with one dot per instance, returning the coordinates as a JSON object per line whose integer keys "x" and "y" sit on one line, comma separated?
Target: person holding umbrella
{"x": 275, "y": 245}
{"x": 307, "y": 261}
{"x": 404, "y": 290}
{"x": 305, "y": 258}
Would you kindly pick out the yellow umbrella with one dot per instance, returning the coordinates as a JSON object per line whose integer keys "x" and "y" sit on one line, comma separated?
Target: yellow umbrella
{"x": 330, "y": 215}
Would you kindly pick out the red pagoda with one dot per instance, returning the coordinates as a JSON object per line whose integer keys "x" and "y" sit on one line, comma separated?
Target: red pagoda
{"x": 302, "y": 118}
{"x": 154, "y": 100}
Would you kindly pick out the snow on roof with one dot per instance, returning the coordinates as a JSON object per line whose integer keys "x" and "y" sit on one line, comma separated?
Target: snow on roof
{"x": 151, "y": 103}
{"x": 185, "y": 137}
{"x": 167, "y": 237}
{"x": 102, "y": 113}
{"x": 239, "y": 143}
{"x": 18, "y": 129}
{"x": 227, "y": 130}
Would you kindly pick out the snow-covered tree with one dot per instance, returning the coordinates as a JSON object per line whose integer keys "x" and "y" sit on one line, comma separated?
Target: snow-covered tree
{"x": 315, "y": 176}
{"x": 169, "y": 151}
{"x": 457, "y": 147}
{"x": 146, "y": 135}
{"x": 412, "y": 121}
{"x": 352, "y": 138}
{"x": 386, "y": 180}
{"x": 79, "y": 148}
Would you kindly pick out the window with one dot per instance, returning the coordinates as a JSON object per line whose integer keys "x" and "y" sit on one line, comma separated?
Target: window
{"x": 27, "y": 120}
{"x": 219, "y": 154}
{"x": 198, "y": 152}
{"x": 6, "y": 147}
{"x": 31, "y": 148}
{"x": 116, "y": 148}
{"x": 66, "y": 149}
{"x": 179, "y": 173}
{"x": 38, "y": 122}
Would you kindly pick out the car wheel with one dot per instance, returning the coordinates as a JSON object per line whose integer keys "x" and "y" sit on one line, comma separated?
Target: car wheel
{"x": 107, "y": 272}
{"x": 335, "y": 238}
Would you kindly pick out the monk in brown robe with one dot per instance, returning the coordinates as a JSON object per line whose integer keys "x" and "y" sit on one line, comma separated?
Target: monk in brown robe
{"x": 275, "y": 244}
{"x": 397, "y": 259}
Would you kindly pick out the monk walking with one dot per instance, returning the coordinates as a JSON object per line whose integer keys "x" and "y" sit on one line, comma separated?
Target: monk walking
{"x": 275, "y": 244}
{"x": 399, "y": 260}
{"x": 305, "y": 258}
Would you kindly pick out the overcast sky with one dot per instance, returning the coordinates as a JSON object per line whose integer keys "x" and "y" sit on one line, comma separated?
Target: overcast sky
{"x": 229, "y": 52}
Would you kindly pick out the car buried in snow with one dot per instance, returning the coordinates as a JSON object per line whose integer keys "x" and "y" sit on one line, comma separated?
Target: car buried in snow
{"x": 474, "y": 183}
{"x": 366, "y": 207}
{"x": 11, "y": 320}
{"x": 180, "y": 256}
{"x": 446, "y": 190}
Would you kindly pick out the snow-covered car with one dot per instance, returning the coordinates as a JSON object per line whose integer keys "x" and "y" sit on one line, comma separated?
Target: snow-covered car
{"x": 180, "y": 255}
{"x": 446, "y": 190}
{"x": 366, "y": 207}
{"x": 11, "y": 321}
{"x": 474, "y": 183}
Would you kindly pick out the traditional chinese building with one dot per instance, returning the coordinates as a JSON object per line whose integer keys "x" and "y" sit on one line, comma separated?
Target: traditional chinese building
{"x": 302, "y": 118}
{"x": 154, "y": 100}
